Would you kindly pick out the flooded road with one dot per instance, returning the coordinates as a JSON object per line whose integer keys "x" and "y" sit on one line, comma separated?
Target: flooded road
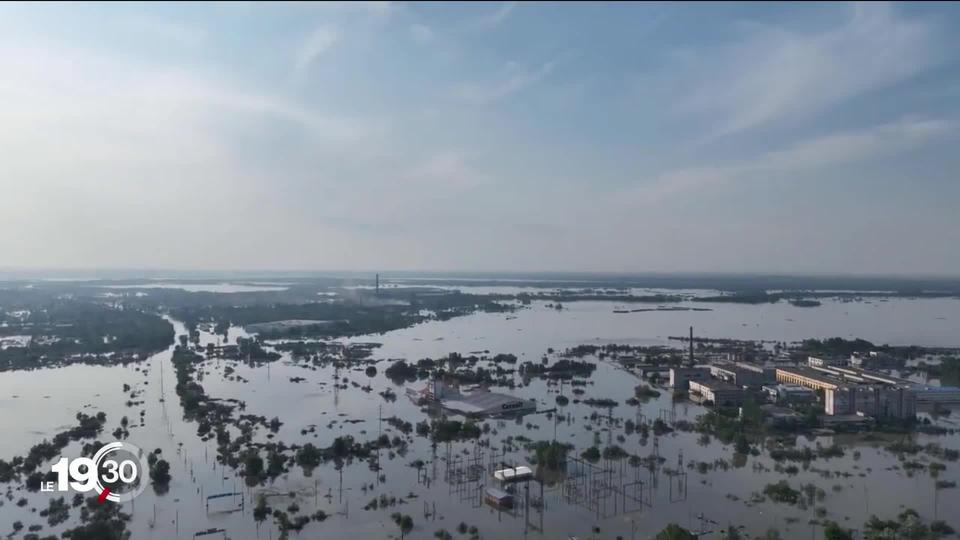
{"x": 866, "y": 480}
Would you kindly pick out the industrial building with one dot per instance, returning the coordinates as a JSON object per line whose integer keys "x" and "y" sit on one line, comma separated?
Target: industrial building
{"x": 808, "y": 377}
{"x": 720, "y": 393}
{"x": 742, "y": 374}
{"x": 477, "y": 403}
{"x": 871, "y": 400}
{"x": 680, "y": 378}
{"x": 777, "y": 416}
{"x": 872, "y": 360}
{"x": 790, "y": 393}
{"x": 851, "y": 391}
{"x": 936, "y": 395}
{"x": 647, "y": 371}
{"x": 824, "y": 361}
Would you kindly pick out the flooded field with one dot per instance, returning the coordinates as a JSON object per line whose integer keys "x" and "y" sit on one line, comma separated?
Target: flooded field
{"x": 867, "y": 479}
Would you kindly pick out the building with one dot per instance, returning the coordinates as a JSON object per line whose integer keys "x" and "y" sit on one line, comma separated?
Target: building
{"x": 510, "y": 475}
{"x": 936, "y": 395}
{"x": 805, "y": 376}
{"x": 790, "y": 393}
{"x": 872, "y": 360}
{"x": 767, "y": 374}
{"x": 824, "y": 361}
{"x": 680, "y": 377}
{"x": 720, "y": 393}
{"x": 852, "y": 391}
{"x": 477, "y": 403}
{"x": 649, "y": 370}
{"x": 778, "y": 416}
{"x": 871, "y": 400}
{"x": 498, "y": 498}
{"x": 747, "y": 375}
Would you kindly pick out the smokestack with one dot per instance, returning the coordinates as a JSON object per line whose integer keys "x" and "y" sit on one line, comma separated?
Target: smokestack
{"x": 378, "y": 285}
{"x": 691, "y": 345}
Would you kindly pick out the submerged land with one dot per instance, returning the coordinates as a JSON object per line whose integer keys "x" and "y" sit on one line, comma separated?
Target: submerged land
{"x": 305, "y": 400}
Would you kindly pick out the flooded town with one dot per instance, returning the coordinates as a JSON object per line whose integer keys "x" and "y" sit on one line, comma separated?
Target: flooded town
{"x": 397, "y": 408}
{"x": 489, "y": 270}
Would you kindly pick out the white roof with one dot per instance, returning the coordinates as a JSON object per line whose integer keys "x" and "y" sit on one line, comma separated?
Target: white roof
{"x": 513, "y": 473}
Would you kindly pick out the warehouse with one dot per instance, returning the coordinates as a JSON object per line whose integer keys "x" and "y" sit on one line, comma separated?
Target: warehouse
{"x": 480, "y": 402}
{"x": 720, "y": 393}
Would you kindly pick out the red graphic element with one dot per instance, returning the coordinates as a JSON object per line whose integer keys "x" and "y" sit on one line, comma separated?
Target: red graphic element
{"x": 103, "y": 496}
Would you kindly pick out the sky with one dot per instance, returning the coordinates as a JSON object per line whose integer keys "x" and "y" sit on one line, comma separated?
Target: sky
{"x": 626, "y": 137}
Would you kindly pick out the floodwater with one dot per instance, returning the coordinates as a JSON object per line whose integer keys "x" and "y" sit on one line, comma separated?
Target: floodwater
{"x": 202, "y": 287}
{"x": 54, "y": 396}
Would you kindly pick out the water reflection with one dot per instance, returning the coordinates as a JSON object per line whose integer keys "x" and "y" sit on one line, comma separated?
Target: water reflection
{"x": 867, "y": 479}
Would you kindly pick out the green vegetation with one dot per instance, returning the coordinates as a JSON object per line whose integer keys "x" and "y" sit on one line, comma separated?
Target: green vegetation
{"x": 614, "y": 452}
{"x": 453, "y": 430}
{"x": 948, "y": 370}
{"x": 836, "y": 346}
{"x": 401, "y": 371}
{"x": 309, "y": 456}
{"x": 605, "y": 403}
{"x": 102, "y": 522}
{"x": 643, "y": 392}
{"x": 56, "y": 512}
{"x": 907, "y": 526}
{"x": 675, "y": 532}
{"x": 833, "y": 531}
{"x": 160, "y": 472}
{"x": 561, "y": 369}
{"x": 65, "y": 331}
{"x": 359, "y": 313}
{"x": 403, "y": 522}
{"x": 781, "y": 492}
{"x": 806, "y": 454}
{"x": 88, "y": 427}
{"x": 552, "y": 455}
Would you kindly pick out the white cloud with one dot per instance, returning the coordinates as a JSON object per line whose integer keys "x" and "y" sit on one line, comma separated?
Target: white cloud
{"x": 91, "y": 141}
{"x": 498, "y": 16}
{"x": 512, "y": 79}
{"x": 778, "y": 74}
{"x": 322, "y": 39}
{"x": 808, "y": 155}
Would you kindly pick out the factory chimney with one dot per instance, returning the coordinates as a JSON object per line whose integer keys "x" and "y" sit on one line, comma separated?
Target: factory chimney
{"x": 691, "y": 346}
{"x": 377, "y": 290}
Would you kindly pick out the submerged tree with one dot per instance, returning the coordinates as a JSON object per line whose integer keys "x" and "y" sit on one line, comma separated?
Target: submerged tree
{"x": 675, "y": 532}
{"x": 404, "y": 522}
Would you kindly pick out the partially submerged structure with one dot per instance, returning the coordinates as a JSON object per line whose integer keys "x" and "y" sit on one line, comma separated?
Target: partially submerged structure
{"x": 479, "y": 402}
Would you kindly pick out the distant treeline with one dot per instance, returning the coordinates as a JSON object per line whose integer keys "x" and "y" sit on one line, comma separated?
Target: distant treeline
{"x": 64, "y": 331}
{"x": 366, "y": 313}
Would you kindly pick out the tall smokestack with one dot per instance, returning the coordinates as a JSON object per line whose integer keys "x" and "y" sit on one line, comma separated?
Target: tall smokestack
{"x": 378, "y": 285}
{"x": 691, "y": 345}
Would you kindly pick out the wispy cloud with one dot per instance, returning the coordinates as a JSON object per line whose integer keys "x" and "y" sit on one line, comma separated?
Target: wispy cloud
{"x": 498, "y": 16}
{"x": 808, "y": 155}
{"x": 778, "y": 74}
{"x": 168, "y": 31}
{"x": 322, "y": 39}
{"x": 512, "y": 79}
{"x": 421, "y": 33}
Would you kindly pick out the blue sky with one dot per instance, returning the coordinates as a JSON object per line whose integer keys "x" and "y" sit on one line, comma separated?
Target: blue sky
{"x": 481, "y": 136}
